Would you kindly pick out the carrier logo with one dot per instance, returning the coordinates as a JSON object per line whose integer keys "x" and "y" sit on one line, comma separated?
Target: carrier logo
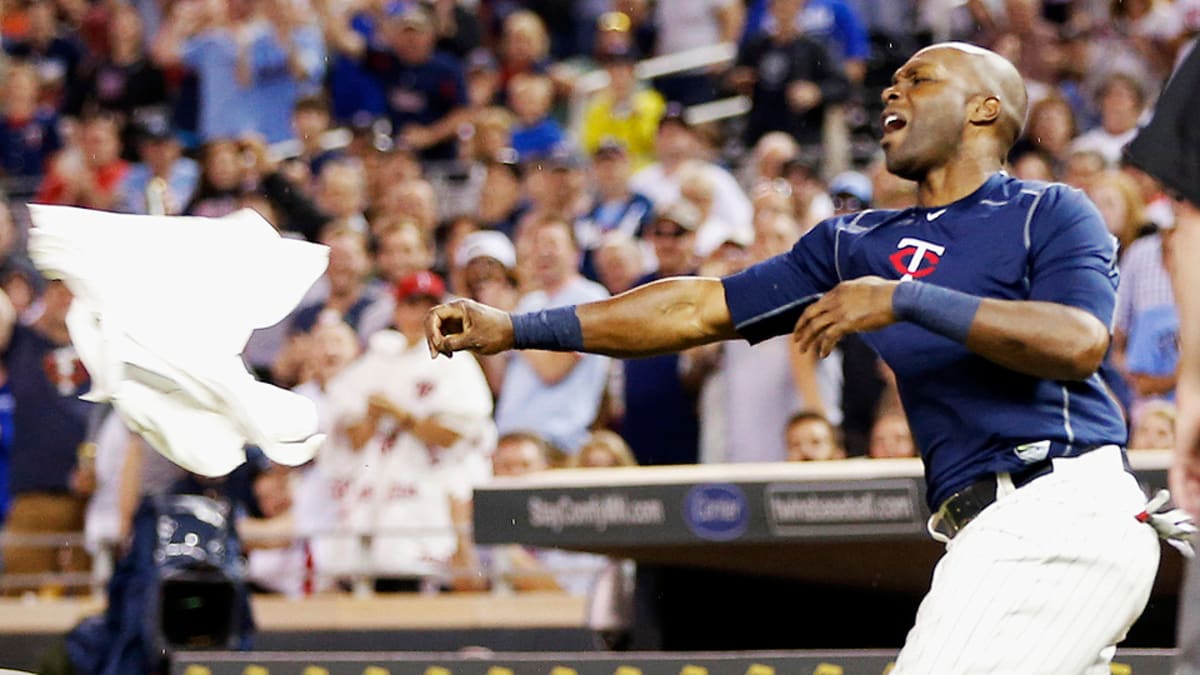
{"x": 717, "y": 512}
{"x": 916, "y": 258}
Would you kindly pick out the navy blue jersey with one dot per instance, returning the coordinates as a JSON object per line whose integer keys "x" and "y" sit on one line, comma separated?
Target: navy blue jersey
{"x": 1010, "y": 239}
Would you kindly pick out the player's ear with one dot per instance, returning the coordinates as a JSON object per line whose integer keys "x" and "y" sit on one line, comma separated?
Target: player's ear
{"x": 984, "y": 110}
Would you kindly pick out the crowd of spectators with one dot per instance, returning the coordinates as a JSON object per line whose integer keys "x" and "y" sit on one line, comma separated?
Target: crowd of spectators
{"x": 512, "y": 152}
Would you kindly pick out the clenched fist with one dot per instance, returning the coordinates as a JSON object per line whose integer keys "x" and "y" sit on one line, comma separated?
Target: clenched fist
{"x": 466, "y": 325}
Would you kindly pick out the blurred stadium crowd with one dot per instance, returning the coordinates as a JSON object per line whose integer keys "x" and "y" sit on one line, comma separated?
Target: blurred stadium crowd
{"x": 524, "y": 154}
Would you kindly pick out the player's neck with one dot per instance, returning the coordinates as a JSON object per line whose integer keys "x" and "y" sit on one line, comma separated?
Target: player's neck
{"x": 951, "y": 182}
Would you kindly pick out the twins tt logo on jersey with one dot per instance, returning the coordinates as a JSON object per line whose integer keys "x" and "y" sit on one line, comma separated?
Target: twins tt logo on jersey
{"x": 916, "y": 258}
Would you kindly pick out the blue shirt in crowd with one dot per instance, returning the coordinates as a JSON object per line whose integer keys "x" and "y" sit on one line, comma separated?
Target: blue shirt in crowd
{"x": 661, "y": 422}
{"x": 7, "y": 405}
{"x": 306, "y": 317}
{"x": 26, "y": 145}
{"x": 224, "y": 112}
{"x": 833, "y": 23}
{"x": 560, "y": 412}
{"x": 181, "y": 186}
{"x": 353, "y": 90}
{"x": 49, "y": 418}
{"x": 1010, "y": 239}
{"x": 537, "y": 139}
{"x": 1153, "y": 347}
{"x": 276, "y": 89}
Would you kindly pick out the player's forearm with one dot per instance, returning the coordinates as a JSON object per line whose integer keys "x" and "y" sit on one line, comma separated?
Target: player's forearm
{"x": 1042, "y": 339}
{"x": 1185, "y": 279}
{"x": 661, "y": 317}
{"x": 665, "y": 316}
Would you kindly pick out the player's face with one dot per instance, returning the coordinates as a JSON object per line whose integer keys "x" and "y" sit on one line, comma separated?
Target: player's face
{"x": 925, "y": 112}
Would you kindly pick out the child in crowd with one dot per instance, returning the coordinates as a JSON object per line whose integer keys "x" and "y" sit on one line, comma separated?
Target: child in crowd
{"x": 603, "y": 449}
{"x": 535, "y": 132}
{"x": 891, "y": 438}
{"x": 810, "y": 437}
{"x": 1153, "y": 426}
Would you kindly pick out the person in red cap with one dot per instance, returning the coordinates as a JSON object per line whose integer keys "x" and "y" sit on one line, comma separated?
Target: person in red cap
{"x": 408, "y": 435}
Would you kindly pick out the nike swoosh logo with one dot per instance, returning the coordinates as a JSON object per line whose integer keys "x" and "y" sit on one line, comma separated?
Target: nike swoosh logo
{"x": 934, "y": 215}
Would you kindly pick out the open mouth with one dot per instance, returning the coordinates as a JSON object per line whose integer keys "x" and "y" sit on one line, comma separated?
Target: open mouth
{"x": 893, "y": 122}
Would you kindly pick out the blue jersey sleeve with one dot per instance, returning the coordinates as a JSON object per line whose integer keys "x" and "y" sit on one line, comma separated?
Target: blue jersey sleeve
{"x": 1072, "y": 256}
{"x": 766, "y": 299}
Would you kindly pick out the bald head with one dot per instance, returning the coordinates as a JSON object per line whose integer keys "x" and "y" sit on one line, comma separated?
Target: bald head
{"x": 990, "y": 76}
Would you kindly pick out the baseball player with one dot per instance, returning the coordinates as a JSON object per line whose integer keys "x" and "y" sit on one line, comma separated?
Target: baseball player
{"x": 991, "y": 300}
{"x": 1166, "y": 148}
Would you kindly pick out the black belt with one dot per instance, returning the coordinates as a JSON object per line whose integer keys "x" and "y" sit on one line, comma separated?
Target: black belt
{"x": 961, "y": 507}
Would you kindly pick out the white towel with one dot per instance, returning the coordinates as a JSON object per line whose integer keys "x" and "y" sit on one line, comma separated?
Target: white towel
{"x": 163, "y": 308}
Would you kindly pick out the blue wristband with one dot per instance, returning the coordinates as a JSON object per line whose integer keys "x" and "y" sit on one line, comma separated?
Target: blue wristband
{"x": 941, "y": 310}
{"x": 555, "y": 329}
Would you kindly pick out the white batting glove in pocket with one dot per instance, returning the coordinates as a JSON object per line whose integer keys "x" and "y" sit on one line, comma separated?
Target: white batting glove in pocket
{"x": 1173, "y": 526}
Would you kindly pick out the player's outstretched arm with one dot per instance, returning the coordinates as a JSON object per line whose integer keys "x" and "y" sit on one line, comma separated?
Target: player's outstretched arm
{"x": 1185, "y": 469}
{"x": 664, "y": 316}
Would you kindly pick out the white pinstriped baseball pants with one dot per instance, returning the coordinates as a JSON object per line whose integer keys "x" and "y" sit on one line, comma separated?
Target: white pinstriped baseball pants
{"x": 1048, "y": 579}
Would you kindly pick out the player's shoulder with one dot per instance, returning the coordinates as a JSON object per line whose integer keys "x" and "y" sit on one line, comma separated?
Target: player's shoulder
{"x": 1030, "y": 192}
{"x": 1060, "y": 213}
{"x": 859, "y": 222}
